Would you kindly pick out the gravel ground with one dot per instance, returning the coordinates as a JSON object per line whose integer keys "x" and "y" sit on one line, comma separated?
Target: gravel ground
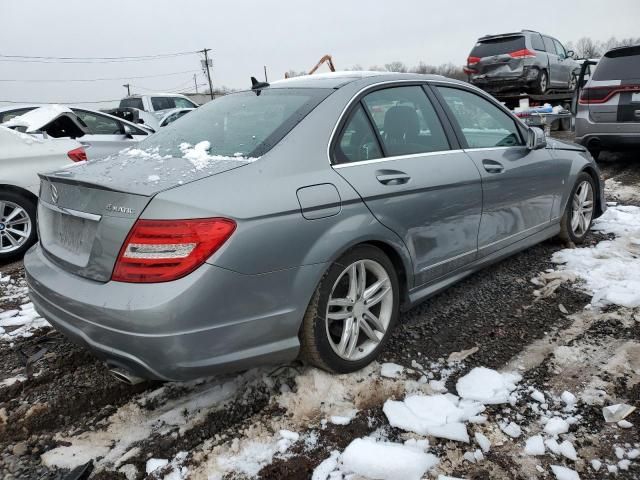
{"x": 69, "y": 398}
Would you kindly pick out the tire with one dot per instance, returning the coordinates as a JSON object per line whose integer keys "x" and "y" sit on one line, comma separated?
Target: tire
{"x": 320, "y": 338}
{"x": 541, "y": 84}
{"x": 595, "y": 154}
{"x": 17, "y": 225}
{"x": 576, "y": 231}
{"x": 573, "y": 82}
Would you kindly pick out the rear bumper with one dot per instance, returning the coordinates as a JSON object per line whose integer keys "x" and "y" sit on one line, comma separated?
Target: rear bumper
{"x": 606, "y": 136}
{"x": 211, "y": 321}
{"x": 504, "y": 81}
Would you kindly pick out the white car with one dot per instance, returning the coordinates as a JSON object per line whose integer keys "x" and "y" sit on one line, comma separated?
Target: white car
{"x": 173, "y": 115}
{"x": 22, "y": 156}
{"x": 101, "y": 134}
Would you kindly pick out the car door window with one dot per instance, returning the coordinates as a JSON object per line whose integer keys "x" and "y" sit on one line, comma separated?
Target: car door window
{"x": 358, "y": 140}
{"x": 162, "y": 103}
{"x": 183, "y": 103}
{"x": 537, "y": 43}
{"x": 6, "y": 116}
{"x": 560, "y": 49}
{"x": 99, "y": 124}
{"x": 483, "y": 124}
{"x": 549, "y": 46}
{"x": 406, "y": 121}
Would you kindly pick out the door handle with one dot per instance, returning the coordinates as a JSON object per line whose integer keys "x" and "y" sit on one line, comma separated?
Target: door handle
{"x": 492, "y": 166}
{"x": 392, "y": 177}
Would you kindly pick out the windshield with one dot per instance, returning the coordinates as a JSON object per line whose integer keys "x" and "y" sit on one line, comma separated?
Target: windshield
{"x": 241, "y": 124}
{"x": 622, "y": 64}
{"x": 498, "y": 46}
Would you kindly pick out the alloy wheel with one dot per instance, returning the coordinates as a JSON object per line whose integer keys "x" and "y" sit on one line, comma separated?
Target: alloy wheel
{"x": 359, "y": 309}
{"x": 15, "y": 226}
{"x": 582, "y": 209}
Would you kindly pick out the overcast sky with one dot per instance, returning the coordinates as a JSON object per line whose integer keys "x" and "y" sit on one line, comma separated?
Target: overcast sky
{"x": 244, "y": 35}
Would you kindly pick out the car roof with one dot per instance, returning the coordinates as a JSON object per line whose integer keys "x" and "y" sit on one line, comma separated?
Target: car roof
{"x": 158, "y": 94}
{"x": 339, "y": 79}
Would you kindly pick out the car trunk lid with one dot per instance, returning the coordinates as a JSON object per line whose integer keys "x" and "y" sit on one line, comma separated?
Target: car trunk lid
{"x": 86, "y": 212}
{"x": 492, "y": 57}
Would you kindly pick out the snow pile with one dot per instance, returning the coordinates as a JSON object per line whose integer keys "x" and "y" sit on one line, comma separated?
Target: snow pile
{"x": 21, "y": 321}
{"x": 374, "y": 459}
{"x": 437, "y": 415}
{"x": 488, "y": 386}
{"x": 564, "y": 473}
{"x": 391, "y": 370}
{"x": 149, "y": 153}
{"x": 198, "y": 155}
{"x": 610, "y": 270}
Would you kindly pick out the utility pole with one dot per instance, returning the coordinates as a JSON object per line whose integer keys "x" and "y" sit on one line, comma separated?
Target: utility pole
{"x": 206, "y": 64}
{"x": 127, "y": 86}
{"x": 265, "y": 74}
{"x": 195, "y": 82}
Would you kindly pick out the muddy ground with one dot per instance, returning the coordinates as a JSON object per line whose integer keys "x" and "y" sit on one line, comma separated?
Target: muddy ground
{"x": 70, "y": 395}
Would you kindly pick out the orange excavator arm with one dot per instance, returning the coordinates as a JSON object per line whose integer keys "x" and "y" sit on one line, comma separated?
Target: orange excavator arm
{"x": 325, "y": 59}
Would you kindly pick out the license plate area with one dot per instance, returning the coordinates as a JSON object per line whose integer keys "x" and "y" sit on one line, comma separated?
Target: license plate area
{"x": 66, "y": 234}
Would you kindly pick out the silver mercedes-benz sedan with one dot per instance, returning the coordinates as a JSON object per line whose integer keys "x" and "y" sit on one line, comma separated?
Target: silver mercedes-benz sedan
{"x": 296, "y": 220}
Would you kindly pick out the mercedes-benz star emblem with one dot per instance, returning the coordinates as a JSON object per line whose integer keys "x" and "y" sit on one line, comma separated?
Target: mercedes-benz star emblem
{"x": 54, "y": 194}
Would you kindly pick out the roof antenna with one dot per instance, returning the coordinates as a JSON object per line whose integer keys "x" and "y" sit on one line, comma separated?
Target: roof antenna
{"x": 256, "y": 85}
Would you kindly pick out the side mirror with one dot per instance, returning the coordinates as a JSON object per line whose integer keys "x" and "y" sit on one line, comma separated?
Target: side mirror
{"x": 536, "y": 139}
{"x": 127, "y": 131}
{"x": 571, "y": 54}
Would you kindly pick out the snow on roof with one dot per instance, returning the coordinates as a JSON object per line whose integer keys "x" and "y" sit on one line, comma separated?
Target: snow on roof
{"x": 36, "y": 119}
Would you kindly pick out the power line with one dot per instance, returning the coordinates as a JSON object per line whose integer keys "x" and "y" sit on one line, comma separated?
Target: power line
{"x": 39, "y": 80}
{"x": 46, "y": 59}
{"x": 31, "y": 102}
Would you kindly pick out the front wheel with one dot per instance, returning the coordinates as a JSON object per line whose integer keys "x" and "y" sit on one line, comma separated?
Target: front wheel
{"x": 352, "y": 312}
{"x": 578, "y": 215}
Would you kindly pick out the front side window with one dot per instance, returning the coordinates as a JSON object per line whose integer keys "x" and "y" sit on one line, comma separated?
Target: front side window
{"x": 99, "y": 124}
{"x": 162, "y": 103}
{"x": 406, "y": 121}
{"x": 483, "y": 124}
{"x": 183, "y": 103}
{"x": 536, "y": 42}
{"x": 358, "y": 140}
{"x": 240, "y": 124}
{"x": 560, "y": 49}
{"x": 549, "y": 46}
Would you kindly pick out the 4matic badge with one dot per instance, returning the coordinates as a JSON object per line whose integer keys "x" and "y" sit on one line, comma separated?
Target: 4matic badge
{"x": 119, "y": 209}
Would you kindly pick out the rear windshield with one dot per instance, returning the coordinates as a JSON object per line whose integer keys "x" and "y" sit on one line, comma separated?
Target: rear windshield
{"x": 241, "y": 124}
{"x": 621, "y": 64}
{"x": 131, "y": 103}
{"x": 498, "y": 46}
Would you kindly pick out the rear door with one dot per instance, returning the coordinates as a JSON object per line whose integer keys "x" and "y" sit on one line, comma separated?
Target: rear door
{"x": 519, "y": 185}
{"x": 555, "y": 73}
{"x": 565, "y": 64}
{"x": 394, "y": 151}
{"x": 106, "y": 134}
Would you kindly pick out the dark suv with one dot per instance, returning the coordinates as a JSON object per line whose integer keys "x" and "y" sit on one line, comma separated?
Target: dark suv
{"x": 525, "y": 61}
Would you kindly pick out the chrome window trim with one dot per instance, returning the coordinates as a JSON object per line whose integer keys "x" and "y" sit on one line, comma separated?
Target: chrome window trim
{"x": 72, "y": 212}
{"x": 397, "y": 157}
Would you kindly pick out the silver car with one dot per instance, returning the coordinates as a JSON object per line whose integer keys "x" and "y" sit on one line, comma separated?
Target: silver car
{"x": 295, "y": 220}
{"x": 608, "y": 114}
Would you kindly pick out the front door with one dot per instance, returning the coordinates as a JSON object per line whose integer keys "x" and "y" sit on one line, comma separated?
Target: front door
{"x": 394, "y": 151}
{"x": 519, "y": 185}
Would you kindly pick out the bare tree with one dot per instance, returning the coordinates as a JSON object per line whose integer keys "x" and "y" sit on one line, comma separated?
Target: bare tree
{"x": 587, "y": 48}
{"x": 396, "y": 67}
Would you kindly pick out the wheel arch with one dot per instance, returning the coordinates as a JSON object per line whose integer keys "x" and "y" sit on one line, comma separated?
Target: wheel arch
{"x": 4, "y": 187}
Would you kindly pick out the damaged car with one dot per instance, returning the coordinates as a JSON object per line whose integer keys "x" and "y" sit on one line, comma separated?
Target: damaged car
{"x": 526, "y": 61}
{"x": 101, "y": 134}
{"x": 295, "y": 220}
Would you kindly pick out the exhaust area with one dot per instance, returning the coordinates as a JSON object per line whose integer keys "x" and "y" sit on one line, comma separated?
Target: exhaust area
{"x": 125, "y": 377}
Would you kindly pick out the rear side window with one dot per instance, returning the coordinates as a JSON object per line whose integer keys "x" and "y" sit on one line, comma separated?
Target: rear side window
{"x": 536, "y": 42}
{"x": 131, "y": 103}
{"x": 406, "y": 121}
{"x": 483, "y": 124}
{"x": 549, "y": 45}
{"x": 498, "y": 46}
{"x": 99, "y": 124}
{"x": 621, "y": 64}
{"x": 240, "y": 124}
{"x": 358, "y": 140}
{"x": 163, "y": 103}
{"x": 6, "y": 116}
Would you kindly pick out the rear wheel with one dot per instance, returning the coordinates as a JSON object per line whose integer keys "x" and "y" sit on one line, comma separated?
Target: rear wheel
{"x": 17, "y": 225}
{"x": 578, "y": 215}
{"x": 542, "y": 82}
{"x": 573, "y": 82}
{"x": 352, "y": 312}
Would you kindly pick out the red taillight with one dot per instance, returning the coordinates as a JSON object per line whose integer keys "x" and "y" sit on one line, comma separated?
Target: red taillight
{"x": 165, "y": 250}
{"x": 604, "y": 94}
{"x": 524, "y": 53}
{"x": 473, "y": 60}
{"x": 77, "y": 154}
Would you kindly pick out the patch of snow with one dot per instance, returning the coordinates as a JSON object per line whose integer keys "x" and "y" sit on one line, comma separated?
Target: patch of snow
{"x": 482, "y": 441}
{"x": 37, "y": 118}
{"x": 198, "y": 155}
{"x": 512, "y": 429}
{"x": 569, "y": 399}
{"x": 487, "y": 386}
{"x": 534, "y": 446}
{"x": 567, "y": 450}
{"x": 556, "y": 426}
{"x": 538, "y": 396}
{"x": 154, "y": 464}
{"x": 386, "y": 461}
{"x": 391, "y": 370}
{"x": 625, "y": 424}
{"x": 564, "y": 473}
{"x": 326, "y": 467}
{"x": 596, "y": 464}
